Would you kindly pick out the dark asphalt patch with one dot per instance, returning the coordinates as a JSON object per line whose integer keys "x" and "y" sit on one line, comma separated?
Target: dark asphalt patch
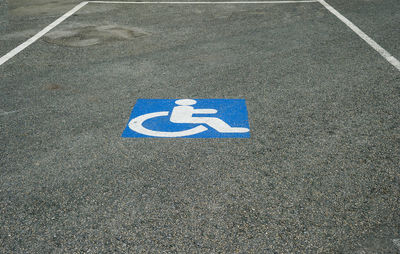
{"x": 52, "y": 87}
{"x": 81, "y": 35}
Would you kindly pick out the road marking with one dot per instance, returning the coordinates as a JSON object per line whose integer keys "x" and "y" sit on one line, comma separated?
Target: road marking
{"x": 235, "y": 2}
{"x": 4, "y": 113}
{"x": 391, "y": 59}
{"x": 397, "y": 243}
{"x": 34, "y": 38}
{"x": 37, "y": 36}
{"x": 187, "y": 118}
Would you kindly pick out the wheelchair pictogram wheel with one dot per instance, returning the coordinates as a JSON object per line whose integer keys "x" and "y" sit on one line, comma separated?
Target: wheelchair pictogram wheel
{"x": 136, "y": 125}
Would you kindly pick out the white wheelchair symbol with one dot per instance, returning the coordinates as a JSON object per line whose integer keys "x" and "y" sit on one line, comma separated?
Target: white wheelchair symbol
{"x": 184, "y": 114}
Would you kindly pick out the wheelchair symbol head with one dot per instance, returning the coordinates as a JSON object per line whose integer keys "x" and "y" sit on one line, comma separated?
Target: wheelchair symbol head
{"x": 186, "y": 102}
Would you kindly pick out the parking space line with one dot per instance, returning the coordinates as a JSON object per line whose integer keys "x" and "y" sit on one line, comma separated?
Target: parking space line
{"x": 4, "y": 113}
{"x": 397, "y": 243}
{"x": 234, "y": 2}
{"x": 37, "y": 36}
{"x": 391, "y": 59}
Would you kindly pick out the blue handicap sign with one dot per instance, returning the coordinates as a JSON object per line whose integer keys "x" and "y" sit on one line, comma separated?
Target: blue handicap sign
{"x": 188, "y": 118}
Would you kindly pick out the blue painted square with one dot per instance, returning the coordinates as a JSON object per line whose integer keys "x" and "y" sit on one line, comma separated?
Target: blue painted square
{"x": 188, "y": 118}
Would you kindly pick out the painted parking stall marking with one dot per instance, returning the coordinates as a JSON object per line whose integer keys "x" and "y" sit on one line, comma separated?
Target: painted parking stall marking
{"x": 385, "y": 54}
{"x": 188, "y": 118}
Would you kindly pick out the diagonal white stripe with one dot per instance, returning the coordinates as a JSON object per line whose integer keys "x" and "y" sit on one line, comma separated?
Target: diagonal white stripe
{"x": 391, "y": 59}
{"x": 34, "y": 38}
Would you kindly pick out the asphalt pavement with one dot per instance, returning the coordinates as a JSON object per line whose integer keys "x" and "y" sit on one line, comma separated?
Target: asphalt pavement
{"x": 319, "y": 174}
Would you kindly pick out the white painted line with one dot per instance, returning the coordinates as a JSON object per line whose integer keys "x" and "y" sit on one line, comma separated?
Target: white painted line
{"x": 34, "y": 38}
{"x": 397, "y": 243}
{"x": 391, "y": 59}
{"x": 4, "y": 113}
{"x": 37, "y": 36}
{"x": 237, "y": 2}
